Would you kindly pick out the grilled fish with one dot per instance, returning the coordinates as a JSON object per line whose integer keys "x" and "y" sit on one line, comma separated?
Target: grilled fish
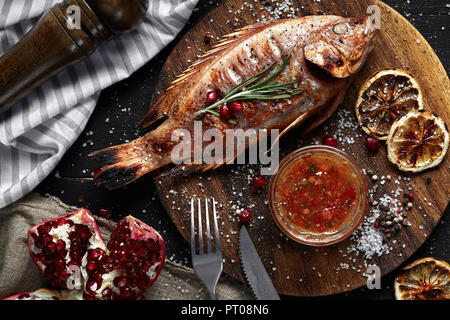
{"x": 326, "y": 52}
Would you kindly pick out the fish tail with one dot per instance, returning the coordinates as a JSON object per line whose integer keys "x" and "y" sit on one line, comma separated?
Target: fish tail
{"x": 122, "y": 164}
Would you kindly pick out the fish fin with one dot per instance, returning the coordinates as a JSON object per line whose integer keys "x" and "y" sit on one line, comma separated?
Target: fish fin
{"x": 215, "y": 166}
{"x": 122, "y": 164}
{"x": 186, "y": 169}
{"x": 325, "y": 113}
{"x": 301, "y": 118}
{"x": 181, "y": 170}
{"x": 164, "y": 107}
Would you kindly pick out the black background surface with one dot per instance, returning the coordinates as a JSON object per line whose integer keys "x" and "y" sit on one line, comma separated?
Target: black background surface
{"x": 125, "y": 103}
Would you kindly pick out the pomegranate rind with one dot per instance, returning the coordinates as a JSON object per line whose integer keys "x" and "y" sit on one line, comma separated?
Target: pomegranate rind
{"x": 139, "y": 230}
{"x": 154, "y": 259}
{"x": 417, "y": 141}
{"x": 424, "y": 279}
{"x": 46, "y": 294}
{"x": 382, "y": 96}
{"x": 81, "y": 216}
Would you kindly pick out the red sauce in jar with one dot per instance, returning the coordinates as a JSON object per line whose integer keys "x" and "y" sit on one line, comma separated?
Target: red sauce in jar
{"x": 317, "y": 192}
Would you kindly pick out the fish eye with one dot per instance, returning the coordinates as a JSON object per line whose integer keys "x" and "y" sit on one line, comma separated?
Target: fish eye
{"x": 340, "y": 28}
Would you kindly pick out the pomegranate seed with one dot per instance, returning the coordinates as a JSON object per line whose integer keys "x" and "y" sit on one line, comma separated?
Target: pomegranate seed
{"x": 96, "y": 254}
{"x": 88, "y": 296}
{"x": 235, "y": 107}
{"x": 207, "y": 37}
{"x": 60, "y": 245}
{"x": 120, "y": 282}
{"x": 83, "y": 232}
{"x": 376, "y": 225}
{"x": 97, "y": 275}
{"x": 330, "y": 141}
{"x": 258, "y": 182}
{"x": 107, "y": 294}
{"x": 245, "y": 216}
{"x": 142, "y": 284}
{"x": 91, "y": 266}
{"x": 212, "y": 97}
{"x": 105, "y": 213}
{"x": 64, "y": 274}
{"x": 43, "y": 229}
{"x": 47, "y": 239}
{"x": 372, "y": 144}
{"x": 51, "y": 248}
{"x": 410, "y": 196}
{"x": 126, "y": 291}
{"x": 92, "y": 286}
{"x": 225, "y": 112}
{"x": 59, "y": 263}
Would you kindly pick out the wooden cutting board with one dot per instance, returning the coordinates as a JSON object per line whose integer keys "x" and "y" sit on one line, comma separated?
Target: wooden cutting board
{"x": 297, "y": 269}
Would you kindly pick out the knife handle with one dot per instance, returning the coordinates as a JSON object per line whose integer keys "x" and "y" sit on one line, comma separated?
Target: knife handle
{"x": 55, "y": 43}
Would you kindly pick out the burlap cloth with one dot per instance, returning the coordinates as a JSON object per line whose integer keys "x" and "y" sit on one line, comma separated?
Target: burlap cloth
{"x": 18, "y": 272}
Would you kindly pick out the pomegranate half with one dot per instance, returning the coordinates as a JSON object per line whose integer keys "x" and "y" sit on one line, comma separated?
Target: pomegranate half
{"x": 70, "y": 252}
{"x": 58, "y": 246}
{"x": 46, "y": 294}
{"x": 133, "y": 259}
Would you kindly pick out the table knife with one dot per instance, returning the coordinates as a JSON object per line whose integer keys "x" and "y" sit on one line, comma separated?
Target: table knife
{"x": 254, "y": 269}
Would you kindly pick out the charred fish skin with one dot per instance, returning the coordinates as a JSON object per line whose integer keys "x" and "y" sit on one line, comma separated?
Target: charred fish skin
{"x": 326, "y": 52}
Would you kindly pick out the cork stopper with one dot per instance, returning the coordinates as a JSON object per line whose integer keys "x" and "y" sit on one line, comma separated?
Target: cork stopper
{"x": 119, "y": 15}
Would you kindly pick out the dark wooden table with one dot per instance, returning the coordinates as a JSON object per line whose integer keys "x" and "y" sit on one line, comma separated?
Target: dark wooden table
{"x": 121, "y": 106}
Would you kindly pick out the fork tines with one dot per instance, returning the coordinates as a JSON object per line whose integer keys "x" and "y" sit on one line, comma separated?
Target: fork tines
{"x": 207, "y": 227}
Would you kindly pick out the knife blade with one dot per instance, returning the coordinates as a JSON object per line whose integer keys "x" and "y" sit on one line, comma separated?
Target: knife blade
{"x": 254, "y": 269}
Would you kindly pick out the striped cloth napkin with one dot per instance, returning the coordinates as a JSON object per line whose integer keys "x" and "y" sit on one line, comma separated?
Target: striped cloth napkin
{"x": 35, "y": 134}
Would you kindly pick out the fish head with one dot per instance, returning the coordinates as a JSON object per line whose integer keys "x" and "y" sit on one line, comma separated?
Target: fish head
{"x": 342, "y": 46}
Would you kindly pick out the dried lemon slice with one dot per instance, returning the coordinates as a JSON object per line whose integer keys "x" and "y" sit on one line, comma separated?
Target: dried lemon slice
{"x": 383, "y": 98}
{"x": 424, "y": 279}
{"x": 417, "y": 141}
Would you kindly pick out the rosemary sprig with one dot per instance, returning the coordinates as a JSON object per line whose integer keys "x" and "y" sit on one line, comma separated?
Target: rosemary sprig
{"x": 263, "y": 90}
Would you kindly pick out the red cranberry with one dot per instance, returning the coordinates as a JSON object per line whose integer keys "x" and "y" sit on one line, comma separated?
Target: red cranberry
{"x": 212, "y": 97}
{"x": 258, "y": 182}
{"x": 225, "y": 112}
{"x": 372, "y": 144}
{"x": 105, "y": 213}
{"x": 245, "y": 216}
{"x": 208, "y": 37}
{"x": 330, "y": 141}
{"x": 235, "y": 106}
{"x": 376, "y": 225}
{"x": 410, "y": 196}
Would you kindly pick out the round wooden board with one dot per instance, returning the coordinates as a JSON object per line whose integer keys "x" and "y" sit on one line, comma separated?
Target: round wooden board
{"x": 296, "y": 269}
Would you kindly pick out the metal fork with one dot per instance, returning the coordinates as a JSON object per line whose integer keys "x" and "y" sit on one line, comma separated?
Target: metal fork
{"x": 208, "y": 266}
